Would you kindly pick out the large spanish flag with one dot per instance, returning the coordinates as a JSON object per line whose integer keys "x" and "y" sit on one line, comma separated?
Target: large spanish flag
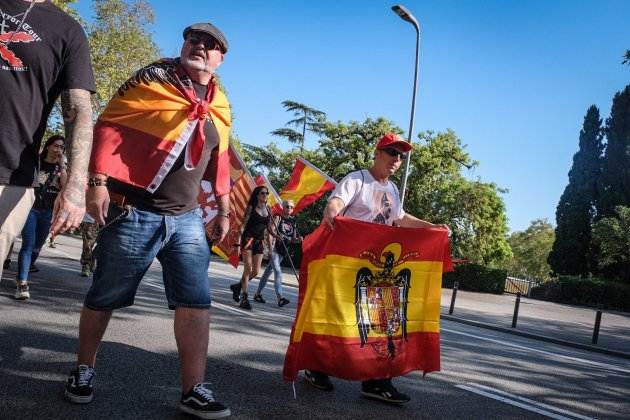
{"x": 307, "y": 184}
{"x": 369, "y": 301}
{"x": 153, "y": 118}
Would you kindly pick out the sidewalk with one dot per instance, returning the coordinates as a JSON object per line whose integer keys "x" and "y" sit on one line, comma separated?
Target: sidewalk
{"x": 555, "y": 322}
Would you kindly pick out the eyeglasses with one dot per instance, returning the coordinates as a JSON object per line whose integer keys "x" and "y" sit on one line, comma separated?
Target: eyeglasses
{"x": 395, "y": 153}
{"x": 208, "y": 42}
{"x": 263, "y": 193}
{"x": 289, "y": 207}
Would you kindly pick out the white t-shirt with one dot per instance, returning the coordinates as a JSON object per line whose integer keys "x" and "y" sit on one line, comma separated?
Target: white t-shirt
{"x": 367, "y": 199}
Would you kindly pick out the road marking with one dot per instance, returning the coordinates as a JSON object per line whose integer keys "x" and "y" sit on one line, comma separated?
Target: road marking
{"x": 561, "y": 356}
{"x": 521, "y": 402}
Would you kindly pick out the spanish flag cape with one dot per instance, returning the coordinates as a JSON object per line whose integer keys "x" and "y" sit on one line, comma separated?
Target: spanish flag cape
{"x": 369, "y": 301}
{"x": 152, "y": 119}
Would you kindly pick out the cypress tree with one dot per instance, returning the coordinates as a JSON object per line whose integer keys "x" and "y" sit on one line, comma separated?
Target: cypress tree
{"x": 615, "y": 179}
{"x": 576, "y": 208}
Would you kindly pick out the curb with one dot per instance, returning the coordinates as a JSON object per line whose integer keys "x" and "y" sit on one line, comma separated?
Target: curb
{"x": 539, "y": 337}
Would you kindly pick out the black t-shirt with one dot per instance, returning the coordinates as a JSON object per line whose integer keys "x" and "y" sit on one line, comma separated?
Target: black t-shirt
{"x": 256, "y": 225}
{"x": 48, "y": 185}
{"x": 287, "y": 228}
{"x": 49, "y": 54}
{"x": 179, "y": 190}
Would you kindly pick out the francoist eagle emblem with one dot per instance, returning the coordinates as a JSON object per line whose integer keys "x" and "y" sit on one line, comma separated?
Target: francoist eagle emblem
{"x": 381, "y": 297}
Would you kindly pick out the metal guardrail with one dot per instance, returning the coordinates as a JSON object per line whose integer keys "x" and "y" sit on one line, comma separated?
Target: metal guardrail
{"x": 515, "y": 285}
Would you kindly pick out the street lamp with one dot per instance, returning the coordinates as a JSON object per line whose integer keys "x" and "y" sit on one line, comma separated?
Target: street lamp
{"x": 406, "y": 15}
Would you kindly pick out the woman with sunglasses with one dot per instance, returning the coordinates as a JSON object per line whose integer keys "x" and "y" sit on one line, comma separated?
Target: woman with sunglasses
{"x": 257, "y": 227}
{"x": 51, "y": 178}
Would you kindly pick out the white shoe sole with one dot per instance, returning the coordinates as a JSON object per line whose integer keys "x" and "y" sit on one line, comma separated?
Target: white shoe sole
{"x": 379, "y": 397}
{"x": 205, "y": 414}
{"x": 78, "y": 399}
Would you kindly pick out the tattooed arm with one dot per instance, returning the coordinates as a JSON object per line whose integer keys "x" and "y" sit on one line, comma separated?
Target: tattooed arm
{"x": 77, "y": 117}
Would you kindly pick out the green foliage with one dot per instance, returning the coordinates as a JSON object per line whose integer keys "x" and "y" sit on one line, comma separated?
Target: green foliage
{"x": 570, "y": 253}
{"x": 439, "y": 193}
{"x": 611, "y": 235}
{"x": 120, "y": 43}
{"x": 626, "y": 58}
{"x": 615, "y": 178}
{"x": 585, "y": 291}
{"x": 531, "y": 249}
{"x": 306, "y": 118}
{"x": 476, "y": 278}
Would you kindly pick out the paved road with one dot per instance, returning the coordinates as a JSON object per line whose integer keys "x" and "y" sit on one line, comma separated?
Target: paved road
{"x": 485, "y": 374}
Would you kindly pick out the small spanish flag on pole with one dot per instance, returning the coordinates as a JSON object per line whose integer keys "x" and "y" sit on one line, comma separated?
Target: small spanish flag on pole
{"x": 307, "y": 184}
{"x": 369, "y": 301}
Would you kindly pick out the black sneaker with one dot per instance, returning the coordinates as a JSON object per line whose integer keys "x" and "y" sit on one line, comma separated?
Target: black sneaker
{"x": 7, "y": 264}
{"x": 383, "y": 390}
{"x": 200, "y": 402}
{"x": 259, "y": 298}
{"x": 79, "y": 388}
{"x": 33, "y": 269}
{"x": 318, "y": 380}
{"x": 236, "y": 291}
{"x": 244, "y": 303}
{"x": 283, "y": 301}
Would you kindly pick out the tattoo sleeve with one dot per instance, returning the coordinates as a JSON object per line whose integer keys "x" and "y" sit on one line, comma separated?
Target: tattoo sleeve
{"x": 77, "y": 118}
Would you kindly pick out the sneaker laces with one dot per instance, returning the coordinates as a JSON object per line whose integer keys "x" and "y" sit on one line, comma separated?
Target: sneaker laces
{"x": 204, "y": 392}
{"x": 85, "y": 374}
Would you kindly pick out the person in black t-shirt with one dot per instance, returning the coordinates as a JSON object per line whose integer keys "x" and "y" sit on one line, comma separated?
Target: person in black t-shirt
{"x": 287, "y": 233}
{"x": 51, "y": 178}
{"x": 257, "y": 227}
{"x": 44, "y": 55}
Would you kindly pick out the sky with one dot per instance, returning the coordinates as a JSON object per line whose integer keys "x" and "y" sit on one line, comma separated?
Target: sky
{"x": 513, "y": 79}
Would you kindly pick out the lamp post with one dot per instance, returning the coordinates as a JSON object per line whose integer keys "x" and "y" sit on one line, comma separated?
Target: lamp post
{"x": 406, "y": 15}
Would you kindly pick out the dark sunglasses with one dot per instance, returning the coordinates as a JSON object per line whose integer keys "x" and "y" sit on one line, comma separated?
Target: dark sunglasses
{"x": 263, "y": 193}
{"x": 208, "y": 42}
{"x": 394, "y": 153}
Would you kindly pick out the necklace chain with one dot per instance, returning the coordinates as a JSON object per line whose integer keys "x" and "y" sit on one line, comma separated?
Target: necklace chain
{"x": 3, "y": 25}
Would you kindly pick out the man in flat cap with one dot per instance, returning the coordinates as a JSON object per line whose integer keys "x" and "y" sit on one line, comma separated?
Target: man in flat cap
{"x": 165, "y": 130}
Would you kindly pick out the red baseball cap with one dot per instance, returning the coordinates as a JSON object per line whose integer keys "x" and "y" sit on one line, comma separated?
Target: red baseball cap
{"x": 391, "y": 139}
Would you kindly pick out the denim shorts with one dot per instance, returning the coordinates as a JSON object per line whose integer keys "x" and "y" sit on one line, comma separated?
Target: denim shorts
{"x": 129, "y": 242}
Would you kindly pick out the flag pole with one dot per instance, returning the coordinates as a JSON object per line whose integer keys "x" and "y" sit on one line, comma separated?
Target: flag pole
{"x": 275, "y": 225}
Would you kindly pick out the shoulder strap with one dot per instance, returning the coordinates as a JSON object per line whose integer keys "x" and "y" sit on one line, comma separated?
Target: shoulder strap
{"x": 356, "y": 195}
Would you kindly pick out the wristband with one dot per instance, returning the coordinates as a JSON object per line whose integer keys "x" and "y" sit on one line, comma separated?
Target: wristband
{"x": 97, "y": 182}
{"x": 223, "y": 213}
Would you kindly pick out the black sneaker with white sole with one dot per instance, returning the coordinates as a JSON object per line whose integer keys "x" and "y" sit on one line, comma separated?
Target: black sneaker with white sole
{"x": 79, "y": 387}
{"x": 383, "y": 390}
{"x": 200, "y": 402}
{"x": 236, "y": 291}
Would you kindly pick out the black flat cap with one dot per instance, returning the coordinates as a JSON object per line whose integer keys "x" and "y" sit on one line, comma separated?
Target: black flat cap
{"x": 209, "y": 29}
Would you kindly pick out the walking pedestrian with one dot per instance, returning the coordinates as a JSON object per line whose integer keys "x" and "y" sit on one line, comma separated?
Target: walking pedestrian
{"x": 369, "y": 195}
{"x": 44, "y": 55}
{"x": 165, "y": 130}
{"x": 286, "y": 233}
{"x": 257, "y": 228}
{"x": 51, "y": 178}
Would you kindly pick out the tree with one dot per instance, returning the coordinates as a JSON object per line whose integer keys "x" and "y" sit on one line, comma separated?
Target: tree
{"x": 120, "y": 43}
{"x": 531, "y": 249}
{"x": 474, "y": 210}
{"x": 570, "y": 253}
{"x": 615, "y": 178}
{"x": 305, "y": 118}
{"x": 612, "y": 237}
{"x": 626, "y": 58}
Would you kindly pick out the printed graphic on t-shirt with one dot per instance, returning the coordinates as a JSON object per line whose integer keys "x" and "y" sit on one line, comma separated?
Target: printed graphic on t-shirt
{"x": 286, "y": 228}
{"x": 383, "y": 204}
{"x": 10, "y": 60}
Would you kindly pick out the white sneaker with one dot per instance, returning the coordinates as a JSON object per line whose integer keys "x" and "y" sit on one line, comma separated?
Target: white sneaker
{"x": 21, "y": 291}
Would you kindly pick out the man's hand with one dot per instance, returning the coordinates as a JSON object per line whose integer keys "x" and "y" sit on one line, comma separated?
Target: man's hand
{"x": 68, "y": 210}
{"x": 220, "y": 228}
{"x": 98, "y": 203}
{"x": 333, "y": 208}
